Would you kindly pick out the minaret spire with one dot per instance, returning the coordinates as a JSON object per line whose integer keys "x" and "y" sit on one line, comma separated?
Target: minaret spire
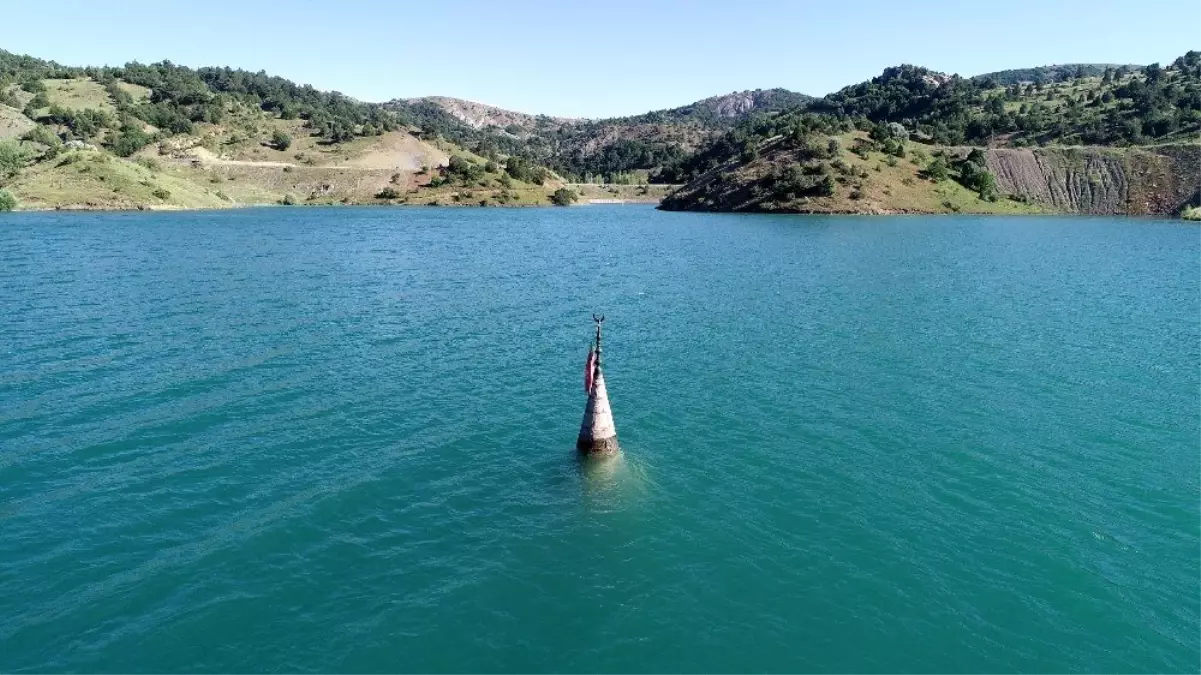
{"x": 598, "y": 435}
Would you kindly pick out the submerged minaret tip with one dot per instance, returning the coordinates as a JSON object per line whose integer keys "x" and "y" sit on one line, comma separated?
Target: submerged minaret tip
{"x": 598, "y": 435}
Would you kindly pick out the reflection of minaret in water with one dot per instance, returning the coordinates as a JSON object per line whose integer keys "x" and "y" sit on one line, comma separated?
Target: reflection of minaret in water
{"x": 598, "y": 435}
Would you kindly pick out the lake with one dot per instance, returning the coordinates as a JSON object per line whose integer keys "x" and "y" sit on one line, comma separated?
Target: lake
{"x": 342, "y": 439}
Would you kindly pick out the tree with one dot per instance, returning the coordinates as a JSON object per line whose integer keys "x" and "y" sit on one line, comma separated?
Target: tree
{"x": 131, "y": 139}
{"x": 825, "y": 187}
{"x": 563, "y": 197}
{"x": 464, "y": 169}
{"x": 7, "y": 201}
{"x": 937, "y": 169}
{"x": 281, "y": 140}
{"x": 33, "y": 85}
{"x": 12, "y": 159}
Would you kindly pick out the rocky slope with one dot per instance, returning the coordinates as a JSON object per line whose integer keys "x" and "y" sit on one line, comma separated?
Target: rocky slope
{"x": 481, "y": 115}
{"x": 1150, "y": 181}
{"x": 735, "y": 105}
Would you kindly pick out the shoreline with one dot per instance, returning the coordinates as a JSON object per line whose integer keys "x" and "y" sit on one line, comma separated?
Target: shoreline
{"x": 657, "y": 206}
{"x": 234, "y": 207}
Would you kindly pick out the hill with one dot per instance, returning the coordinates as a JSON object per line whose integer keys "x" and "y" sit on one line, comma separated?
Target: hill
{"x": 1117, "y": 107}
{"x": 621, "y": 149}
{"x": 167, "y": 136}
{"x": 906, "y": 133}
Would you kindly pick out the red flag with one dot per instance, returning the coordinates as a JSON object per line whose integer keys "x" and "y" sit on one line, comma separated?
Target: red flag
{"x": 589, "y": 369}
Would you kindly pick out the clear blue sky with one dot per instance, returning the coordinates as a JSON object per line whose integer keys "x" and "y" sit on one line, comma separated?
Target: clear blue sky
{"x": 595, "y": 59}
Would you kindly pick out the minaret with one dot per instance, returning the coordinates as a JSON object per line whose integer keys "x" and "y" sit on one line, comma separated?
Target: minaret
{"x": 598, "y": 435}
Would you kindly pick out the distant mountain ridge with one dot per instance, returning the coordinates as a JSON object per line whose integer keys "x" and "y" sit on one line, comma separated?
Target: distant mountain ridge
{"x": 593, "y": 147}
{"x": 481, "y": 115}
{"x": 1052, "y": 73}
{"x": 731, "y": 106}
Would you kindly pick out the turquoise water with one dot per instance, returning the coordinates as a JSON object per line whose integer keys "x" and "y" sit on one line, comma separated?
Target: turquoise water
{"x": 343, "y": 440}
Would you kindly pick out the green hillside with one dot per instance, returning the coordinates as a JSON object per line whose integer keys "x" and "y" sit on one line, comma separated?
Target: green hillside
{"x": 169, "y": 136}
{"x": 166, "y": 136}
{"x": 905, "y": 132}
{"x": 1118, "y": 107}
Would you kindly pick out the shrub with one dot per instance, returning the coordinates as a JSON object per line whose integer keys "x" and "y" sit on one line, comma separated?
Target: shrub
{"x": 12, "y": 159}
{"x": 522, "y": 170}
{"x": 825, "y": 187}
{"x": 974, "y": 176}
{"x": 464, "y": 169}
{"x": 563, "y": 197}
{"x": 162, "y": 193}
{"x": 130, "y": 140}
{"x": 43, "y": 135}
{"x": 280, "y": 140}
{"x": 148, "y": 162}
{"x": 395, "y": 179}
{"x": 937, "y": 169}
{"x": 387, "y": 193}
{"x": 288, "y": 200}
{"x": 7, "y": 201}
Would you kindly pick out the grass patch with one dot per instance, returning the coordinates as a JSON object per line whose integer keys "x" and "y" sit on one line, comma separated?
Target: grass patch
{"x": 137, "y": 91}
{"x": 92, "y": 179}
{"x": 78, "y": 94}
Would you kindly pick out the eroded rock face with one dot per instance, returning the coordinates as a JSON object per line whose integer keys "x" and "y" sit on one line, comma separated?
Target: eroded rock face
{"x": 1101, "y": 181}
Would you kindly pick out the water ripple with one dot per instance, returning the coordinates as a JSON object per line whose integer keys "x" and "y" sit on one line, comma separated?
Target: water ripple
{"x": 342, "y": 440}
